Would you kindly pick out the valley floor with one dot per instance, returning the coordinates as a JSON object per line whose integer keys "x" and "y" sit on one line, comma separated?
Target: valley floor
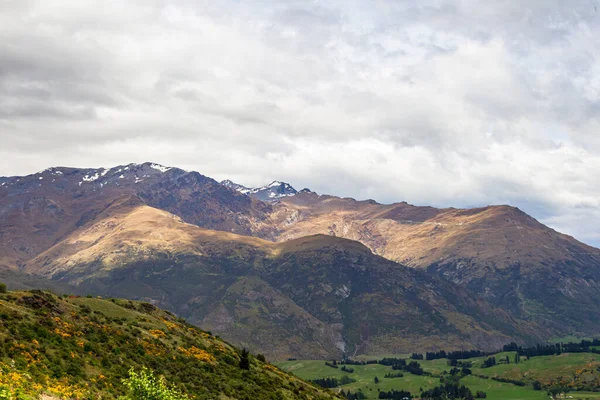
{"x": 567, "y": 367}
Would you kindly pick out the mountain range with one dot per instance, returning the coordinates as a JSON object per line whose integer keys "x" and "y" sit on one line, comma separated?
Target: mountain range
{"x": 294, "y": 273}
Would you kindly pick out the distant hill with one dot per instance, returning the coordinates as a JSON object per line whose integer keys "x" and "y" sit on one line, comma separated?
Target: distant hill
{"x": 500, "y": 252}
{"x": 313, "y": 297}
{"x": 77, "y": 347}
{"x": 19, "y": 280}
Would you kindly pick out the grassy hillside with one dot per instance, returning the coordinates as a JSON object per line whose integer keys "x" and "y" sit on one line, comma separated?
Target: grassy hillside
{"x": 78, "y": 347}
{"x": 579, "y": 372}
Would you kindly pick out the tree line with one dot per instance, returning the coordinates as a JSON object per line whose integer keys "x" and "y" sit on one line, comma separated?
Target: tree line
{"x": 451, "y": 355}
{"x": 584, "y": 346}
{"x": 329, "y": 383}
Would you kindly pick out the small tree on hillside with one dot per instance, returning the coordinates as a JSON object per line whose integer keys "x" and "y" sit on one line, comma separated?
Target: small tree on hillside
{"x": 2, "y": 287}
{"x": 245, "y": 359}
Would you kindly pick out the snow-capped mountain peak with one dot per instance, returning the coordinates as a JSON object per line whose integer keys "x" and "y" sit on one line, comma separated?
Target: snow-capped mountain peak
{"x": 271, "y": 192}
{"x": 93, "y": 179}
{"x": 235, "y": 186}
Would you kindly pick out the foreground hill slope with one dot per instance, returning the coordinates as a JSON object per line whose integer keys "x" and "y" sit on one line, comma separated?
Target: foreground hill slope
{"x": 72, "y": 347}
{"x": 313, "y": 297}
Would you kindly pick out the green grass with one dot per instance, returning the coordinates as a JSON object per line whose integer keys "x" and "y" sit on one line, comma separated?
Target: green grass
{"x": 568, "y": 339}
{"x": 107, "y": 307}
{"x": 499, "y": 390}
{"x": 364, "y": 375}
{"x": 585, "y": 395}
{"x": 542, "y": 368}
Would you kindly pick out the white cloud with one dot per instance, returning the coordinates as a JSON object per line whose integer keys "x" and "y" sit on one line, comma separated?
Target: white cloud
{"x": 449, "y": 103}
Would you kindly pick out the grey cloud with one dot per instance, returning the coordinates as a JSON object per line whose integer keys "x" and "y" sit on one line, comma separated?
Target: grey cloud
{"x": 449, "y": 103}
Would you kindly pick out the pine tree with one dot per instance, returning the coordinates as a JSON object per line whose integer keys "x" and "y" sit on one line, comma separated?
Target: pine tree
{"x": 245, "y": 359}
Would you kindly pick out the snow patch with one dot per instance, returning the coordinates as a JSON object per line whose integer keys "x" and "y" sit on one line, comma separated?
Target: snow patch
{"x": 91, "y": 178}
{"x": 159, "y": 167}
{"x": 344, "y": 291}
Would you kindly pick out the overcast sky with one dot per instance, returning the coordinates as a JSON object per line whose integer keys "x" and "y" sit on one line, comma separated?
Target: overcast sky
{"x": 444, "y": 103}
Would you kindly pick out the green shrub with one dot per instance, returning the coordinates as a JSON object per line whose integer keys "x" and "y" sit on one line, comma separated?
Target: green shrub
{"x": 146, "y": 386}
{"x": 2, "y": 287}
{"x": 5, "y": 393}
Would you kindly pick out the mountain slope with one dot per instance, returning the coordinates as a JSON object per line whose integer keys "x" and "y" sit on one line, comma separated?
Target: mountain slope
{"x": 72, "y": 347}
{"x": 317, "y": 296}
{"x": 508, "y": 257}
{"x": 18, "y": 280}
{"x": 421, "y": 236}
{"x": 39, "y": 210}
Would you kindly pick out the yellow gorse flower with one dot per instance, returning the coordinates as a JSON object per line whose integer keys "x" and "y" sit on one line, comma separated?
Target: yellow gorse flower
{"x": 198, "y": 354}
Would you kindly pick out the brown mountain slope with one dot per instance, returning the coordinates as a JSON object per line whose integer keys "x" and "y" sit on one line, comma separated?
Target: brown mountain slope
{"x": 316, "y": 296}
{"x": 422, "y": 236}
{"x": 130, "y": 230}
{"x": 39, "y": 210}
{"x": 500, "y": 252}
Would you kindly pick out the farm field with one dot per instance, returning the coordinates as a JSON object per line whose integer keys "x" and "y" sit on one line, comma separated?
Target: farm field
{"x": 544, "y": 369}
